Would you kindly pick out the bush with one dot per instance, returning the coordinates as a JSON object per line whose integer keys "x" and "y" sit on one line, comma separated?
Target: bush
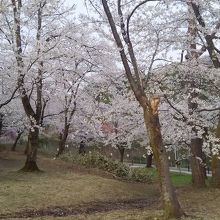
{"x": 142, "y": 174}
{"x": 123, "y": 171}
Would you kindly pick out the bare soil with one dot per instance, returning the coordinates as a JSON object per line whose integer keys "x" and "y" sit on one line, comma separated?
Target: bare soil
{"x": 88, "y": 208}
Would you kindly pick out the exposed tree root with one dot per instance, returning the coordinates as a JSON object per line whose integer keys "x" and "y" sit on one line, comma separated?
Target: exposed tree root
{"x": 30, "y": 166}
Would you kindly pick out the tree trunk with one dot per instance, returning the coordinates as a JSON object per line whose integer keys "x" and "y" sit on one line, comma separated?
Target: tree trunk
{"x": 169, "y": 200}
{"x": 31, "y": 161}
{"x": 210, "y": 45}
{"x": 216, "y": 162}
{"x": 197, "y": 155}
{"x": 16, "y": 140}
{"x": 149, "y": 160}
{"x": 1, "y": 122}
{"x": 215, "y": 171}
{"x": 122, "y": 151}
{"x": 27, "y": 146}
{"x": 63, "y": 139}
{"x": 197, "y": 163}
{"x": 171, "y": 205}
{"x": 61, "y": 149}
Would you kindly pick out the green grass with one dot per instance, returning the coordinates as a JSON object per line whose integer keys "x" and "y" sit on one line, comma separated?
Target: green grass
{"x": 178, "y": 179}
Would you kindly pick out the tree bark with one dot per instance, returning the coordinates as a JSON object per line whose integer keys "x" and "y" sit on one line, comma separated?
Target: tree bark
{"x": 33, "y": 140}
{"x": 149, "y": 160}
{"x": 171, "y": 205}
{"x": 216, "y": 162}
{"x": 215, "y": 171}
{"x": 169, "y": 199}
{"x": 34, "y": 117}
{"x": 216, "y": 63}
{"x": 16, "y": 140}
{"x": 63, "y": 138}
{"x": 121, "y": 151}
{"x": 197, "y": 163}
{"x": 1, "y": 122}
{"x": 198, "y": 177}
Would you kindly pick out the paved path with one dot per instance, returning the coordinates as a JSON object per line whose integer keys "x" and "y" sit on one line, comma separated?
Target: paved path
{"x": 172, "y": 169}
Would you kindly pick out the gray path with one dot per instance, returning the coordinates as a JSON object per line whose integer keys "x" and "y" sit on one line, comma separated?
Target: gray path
{"x": 172, "y": 169}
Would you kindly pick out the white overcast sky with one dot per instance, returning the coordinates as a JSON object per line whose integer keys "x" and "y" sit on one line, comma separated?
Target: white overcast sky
{"x": 80, "y": 6}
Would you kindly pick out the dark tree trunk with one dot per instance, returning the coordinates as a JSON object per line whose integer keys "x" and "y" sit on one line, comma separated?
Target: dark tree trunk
{"x": 149, "y": 160}
{"x": 216, "y": 162}
{"x": 198, "y": 177}
{"x": 16, "y": 140}
{"x": 27, "y": 146}
{"x": 1, "y": 122}
{"x": 63, "y": 138}
{"x": 215, "y": 171}
{"x": 34, "y": 117}
{"x": 122, "y": 152}
{"x": 82, "y": 149}
{"x": 197, "y": 163}
{"x": 210, "y": 45}
{"x": 31, "y": 161}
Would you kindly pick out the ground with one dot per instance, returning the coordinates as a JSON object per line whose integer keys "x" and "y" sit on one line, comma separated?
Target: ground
{"x": 64, "y": 191}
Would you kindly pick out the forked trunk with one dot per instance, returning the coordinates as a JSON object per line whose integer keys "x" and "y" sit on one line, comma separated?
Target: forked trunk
{"x": 197, "y": 163}
{"x": 31, "y": 161}
{"x": 13, "y": 148}
{"x": 170, "y": 202}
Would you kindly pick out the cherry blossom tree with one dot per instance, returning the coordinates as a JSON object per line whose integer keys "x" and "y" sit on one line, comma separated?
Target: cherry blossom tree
{"x": 117, "y": 113}
{"x": 149, "y": 103}
{"x": 29, "y": 31}
{"x": 208, "y": 31}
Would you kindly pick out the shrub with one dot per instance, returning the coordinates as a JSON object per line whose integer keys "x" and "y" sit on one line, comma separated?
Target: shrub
{"x": 123, "y": 171}
{"x": 142, "y": 174}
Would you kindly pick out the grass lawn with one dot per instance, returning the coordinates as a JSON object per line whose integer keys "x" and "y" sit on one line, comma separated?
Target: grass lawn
{"x": 65, "y": 185}
{"x": 181, "y": 179}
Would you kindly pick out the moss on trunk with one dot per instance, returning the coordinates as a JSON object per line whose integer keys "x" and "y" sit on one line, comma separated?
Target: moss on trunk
{"x": 170, "y": 202}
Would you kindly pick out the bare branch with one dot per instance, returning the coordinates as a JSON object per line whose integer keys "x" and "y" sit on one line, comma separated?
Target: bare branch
{"x": 12, "y": 97}
{"x": 208, "y": 109}
{"x": 54, "y": 114}
{"x": 176, "y": 109}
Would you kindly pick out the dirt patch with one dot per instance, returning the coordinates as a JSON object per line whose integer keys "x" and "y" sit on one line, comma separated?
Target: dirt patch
{"x": 88, "y": 208}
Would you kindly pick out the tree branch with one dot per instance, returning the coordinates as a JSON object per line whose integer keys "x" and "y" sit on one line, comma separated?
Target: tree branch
{"x": 12, "y": 97}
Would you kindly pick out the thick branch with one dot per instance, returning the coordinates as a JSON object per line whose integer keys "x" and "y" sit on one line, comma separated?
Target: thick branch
{"x": 135, "y": 87}
{"x": 208, "y": 38}
{"x": 127, "y": 40}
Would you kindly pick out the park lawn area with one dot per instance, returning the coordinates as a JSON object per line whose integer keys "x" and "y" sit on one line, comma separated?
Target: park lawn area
{"x": 61, "y": 184}
{"x": 64, "y": 185}
{"x": 180, "y": 179}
